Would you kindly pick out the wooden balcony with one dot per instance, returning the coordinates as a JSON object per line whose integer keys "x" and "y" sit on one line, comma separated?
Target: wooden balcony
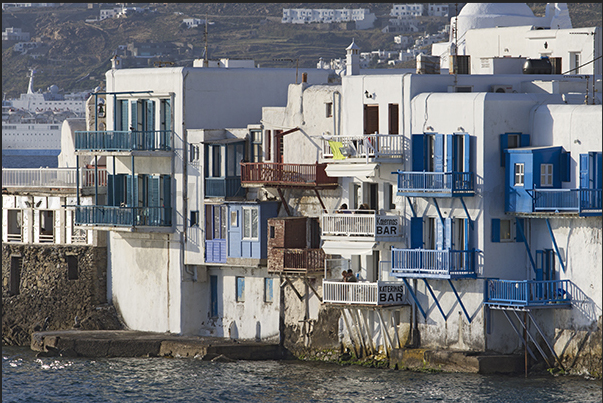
{"x": 148, "y": 140}
{"x": 296, "y": 261}
{"x": 530, "y": 294}
{"x": 286, "y": 175}
{"x": 436, "y": 184}
{"x": 436, "y": 264}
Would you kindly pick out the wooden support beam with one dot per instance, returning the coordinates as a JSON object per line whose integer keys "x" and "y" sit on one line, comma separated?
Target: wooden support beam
{"x": 312, "y": 288}
{"x": 280, "y": 193}
{"x": 320, "y": 199}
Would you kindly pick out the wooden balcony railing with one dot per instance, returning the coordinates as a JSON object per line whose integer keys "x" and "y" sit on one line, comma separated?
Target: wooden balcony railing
{"x": 300, "y": 261}
{"x": 424, "y": 263}
{"x": 147, "y": 140}
{"x": 530, "y": 293}
{"x": 361, "y": 223}
{"x": 280, "y": 174}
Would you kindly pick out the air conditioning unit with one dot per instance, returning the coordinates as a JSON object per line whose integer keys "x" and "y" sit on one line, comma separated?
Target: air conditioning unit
{"x": 502, "y": 88}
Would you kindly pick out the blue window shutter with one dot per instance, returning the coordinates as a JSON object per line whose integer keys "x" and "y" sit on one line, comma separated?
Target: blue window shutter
{"x": 596, "y": 170}
{"x": 129, "y": 190}
{"x": 583, "y": 171}
{"x": 504, "y": 144}
{"x": 439, "y": 234}
{"x": 450, "y": 154}
{"x": 167, "y": 190}
{"x": 495, "y": 230}
{"x": 439, "y": 153}
{"x": 153, "y": 189}
{"x": 525, "y": 140}
{"x": 467, "y": 153}
{"x": 416, "y": 232}
{"x": 134, "y": 115}
{"x": 564, "y": 166}
{"x": 418, "y": 152}
{"x": 135, "y": 191}
{"x": 520, "y": 230}
{"x": 168, "y": 114}
{"x": 447, "y": 233}
{"x": 124, "y": 115}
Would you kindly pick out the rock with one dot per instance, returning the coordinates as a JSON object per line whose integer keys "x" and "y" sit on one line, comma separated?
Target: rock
{"x": 222, "y": 358}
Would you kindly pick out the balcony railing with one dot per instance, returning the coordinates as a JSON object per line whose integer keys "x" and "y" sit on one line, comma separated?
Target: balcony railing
{"x": 148, "y": 140}
{"x": 565, "y": 200}
{"x": 363, "y": 293}
{"x": 123, "y": 216}
{"x": 367, "y": 146}
{"x": 52, "y": 177}
{"x": 266, "y": 173}
{"x": 224, "y": 187}
{"x": 424, "y": 263}
{"x": 302, "y": 261}
{"x": 549, "y": 293}
{"x": 440, "y": 183}
{"x": 360, "y": 223}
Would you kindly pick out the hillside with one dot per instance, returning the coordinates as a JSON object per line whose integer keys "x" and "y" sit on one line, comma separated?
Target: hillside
{"x": 75, "y": 54}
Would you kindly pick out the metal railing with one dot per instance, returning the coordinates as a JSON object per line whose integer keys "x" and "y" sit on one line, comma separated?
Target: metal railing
{"x": 444, "y": 182}
{"x": 529, "y": 292}
{"x": 363, "y": 292}
{"x": 223, "y": 187}
{"x": 287, "y": 174}
{"x": 52, "y": 177}
{"x": 367, "y": 146}
{"x": 433, "y": 263}
{"x": 123, "y": 216}
{"x": 114, "y": 140}
{"x": 566, "y": 199}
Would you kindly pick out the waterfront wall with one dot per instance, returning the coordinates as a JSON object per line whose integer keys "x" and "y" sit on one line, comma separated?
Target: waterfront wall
{"x": 45, "y": 287}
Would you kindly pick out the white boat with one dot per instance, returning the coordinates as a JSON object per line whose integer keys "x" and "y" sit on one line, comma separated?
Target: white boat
{"x": 31, "y": 124}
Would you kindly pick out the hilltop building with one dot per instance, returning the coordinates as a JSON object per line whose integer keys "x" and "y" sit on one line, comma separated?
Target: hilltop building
{"x": 362, "y": 17}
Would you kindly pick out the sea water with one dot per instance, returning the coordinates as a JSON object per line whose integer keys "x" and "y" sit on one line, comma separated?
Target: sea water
{"x": 26, "y": 378}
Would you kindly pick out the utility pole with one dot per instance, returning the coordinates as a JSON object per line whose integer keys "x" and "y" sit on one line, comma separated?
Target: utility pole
{"x": 205, "y": 59}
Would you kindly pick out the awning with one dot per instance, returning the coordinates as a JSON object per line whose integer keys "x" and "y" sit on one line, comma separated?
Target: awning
{"x": 349, "y": 248}
{"x": 351, "y": 170}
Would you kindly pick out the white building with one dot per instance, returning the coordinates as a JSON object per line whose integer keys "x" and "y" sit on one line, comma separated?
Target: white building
{"x": 363, "y": 18}
{"x": 15, "y": 34}
{"x": 193, "y": 22}
{"x": 404, "y": 10}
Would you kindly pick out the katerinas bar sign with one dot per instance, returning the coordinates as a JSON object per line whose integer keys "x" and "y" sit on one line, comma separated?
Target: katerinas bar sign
{"x": 387, "y": 226}
{"x": 391, "y": 294}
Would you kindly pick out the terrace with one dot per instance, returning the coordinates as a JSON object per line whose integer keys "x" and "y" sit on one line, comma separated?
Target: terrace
{"x": 436, "y": 184}
{"x": 123, "y": 141}
{"x": 436, "y": 264}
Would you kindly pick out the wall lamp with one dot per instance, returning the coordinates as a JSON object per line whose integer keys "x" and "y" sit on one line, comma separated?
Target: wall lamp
{"x": 366, "y": 94}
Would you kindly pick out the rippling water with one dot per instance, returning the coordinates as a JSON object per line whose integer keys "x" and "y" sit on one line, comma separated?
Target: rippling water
{"x": 29, "y": 161}
{"x": 26, "y": 378}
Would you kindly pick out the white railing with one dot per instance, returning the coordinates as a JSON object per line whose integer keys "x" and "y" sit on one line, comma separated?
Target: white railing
{"x": 361, "y": 223}
{"x": 367, "y": 146}
{"x": 363, "y": 293}
{"x": 52, "y": 177}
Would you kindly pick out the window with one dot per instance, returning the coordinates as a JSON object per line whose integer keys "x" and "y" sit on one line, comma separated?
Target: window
{"x": 546, "y": 175}
{"x": 234, "y": 218}
{"x": 575, "y": 62}
{"x": 329, "y": 109}
{"x": 268, "y": 148}
{"x": 505, "y": 230}
{"x": 371, "y": 119}
{"x": 519, "y": 174}
{"x": 15, "y": 275}
{"x": 250, "y": 223}
{"x": 215, "y": 222}
{"x": 268, "y": 290}
{"x": 272, "y": 232}
{"x": 195, "y": 218}
{"x": 193, "y": 152}
{"x": 393, "y": 119}
{"x": 47, "y": 226}
{"x": 14, "y": 225}
{"x": 508, "y": 231}
{"x": 72, "y": 269}
{"x": 256, "y": 146}
{"x": 240, "y": 289}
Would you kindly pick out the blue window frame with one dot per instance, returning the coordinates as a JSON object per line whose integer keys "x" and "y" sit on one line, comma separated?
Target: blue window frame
{"x": 213, "y": 299}
{"x": 240, "y": 289}
{"x": 268, "y": 290}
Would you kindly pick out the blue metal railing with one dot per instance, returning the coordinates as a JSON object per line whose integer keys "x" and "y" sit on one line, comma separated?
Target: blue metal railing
{"x": 123, "y": 216}
{"x": 147, "y": 140}
{"x": 445, "y": 182}
{"x": 224, "y": 187}
{"x": 566, "y": 199}
{"x": 423, "y": 263}
{"x": 529, "y": 293}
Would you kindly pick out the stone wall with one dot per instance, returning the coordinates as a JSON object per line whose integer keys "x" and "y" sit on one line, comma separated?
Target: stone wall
{"x": 46, "y": 287}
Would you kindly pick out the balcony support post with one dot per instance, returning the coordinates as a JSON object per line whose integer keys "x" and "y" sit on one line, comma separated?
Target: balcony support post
{"x": 523, "y": 342}
{"x": 349, "y": 328}
{"x": 545, "y": 340}
{"x": 548, "y": 224}
{"x": 77, "y": 178}
{"x": 525, "y": 328}
{"x": 459, "y": 300}
{"x": 435, "y": 201}
{"x": 414, "y": 297}
{"x": 435, "y": 299}
{"x": 312, "y": 288}
{"x": 384, "y": 333}
{"x": 414, "y": 213}
{"x": 283, "y": 201}
{"x": 467, "y": 212}
{"x": 320, "y": 199}
{"x": 525, "y": 241}
{"x": 133, "y": 195}
{"x": 96, "y": 180}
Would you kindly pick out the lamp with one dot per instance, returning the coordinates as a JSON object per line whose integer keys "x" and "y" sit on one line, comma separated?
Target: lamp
{"x": 366, "y": 94}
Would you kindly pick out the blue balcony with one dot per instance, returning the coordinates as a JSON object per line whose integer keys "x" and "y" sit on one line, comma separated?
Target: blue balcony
{"x": 529, "y": 293}
{"x": 436, "y": 264}
{"x": 151, "y": 140}
{"x": 586, "y": 202}
{"x": 123, "y": 216}
{"x": 224, "y": 187}
{"x": 436, "y": 184}
{"x": 215, "y": 251}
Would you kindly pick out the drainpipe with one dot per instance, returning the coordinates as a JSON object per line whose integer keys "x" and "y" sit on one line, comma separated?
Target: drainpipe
{"x": 336, "y": 116}
{"x": 184, "y": 175}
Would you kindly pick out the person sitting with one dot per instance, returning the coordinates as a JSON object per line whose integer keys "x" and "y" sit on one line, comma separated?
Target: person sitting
{"x": 343, "y": 209}
{"x": 350, "y": 277}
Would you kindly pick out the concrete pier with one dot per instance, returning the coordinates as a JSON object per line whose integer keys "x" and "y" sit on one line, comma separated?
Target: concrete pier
{"x": 126, "y": 343}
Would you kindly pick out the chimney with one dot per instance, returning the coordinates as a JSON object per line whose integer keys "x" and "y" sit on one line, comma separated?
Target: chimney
{"x": 115, "y": 62}
{"x": 352, "y": 61}
{"x": 304, "y": 77}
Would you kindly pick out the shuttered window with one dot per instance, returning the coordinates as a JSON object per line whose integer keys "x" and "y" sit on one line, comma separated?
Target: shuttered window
{"x": 371, "y": 119}
{"x": 393, "y": 120}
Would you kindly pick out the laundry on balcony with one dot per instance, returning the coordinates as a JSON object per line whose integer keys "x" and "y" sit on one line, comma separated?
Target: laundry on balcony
{"x": 336, "y": 147}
